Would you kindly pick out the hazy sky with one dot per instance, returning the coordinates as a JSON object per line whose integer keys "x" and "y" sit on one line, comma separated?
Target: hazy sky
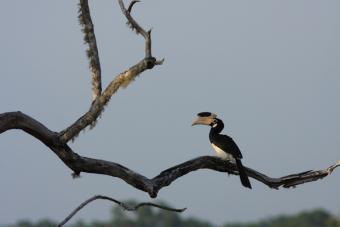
{"x": 269, "y": 69}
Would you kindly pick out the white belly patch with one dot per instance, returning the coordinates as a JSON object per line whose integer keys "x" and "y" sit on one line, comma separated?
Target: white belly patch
{"x": 223, "y": 155}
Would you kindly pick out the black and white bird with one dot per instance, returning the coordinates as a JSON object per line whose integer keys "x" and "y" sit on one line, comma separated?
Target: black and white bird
{"x": 224, "y": 146}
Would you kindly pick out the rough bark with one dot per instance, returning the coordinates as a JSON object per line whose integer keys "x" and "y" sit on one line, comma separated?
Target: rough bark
{"x": 122, "y": 80}
{"x": 92, "y": 51}
{"x": 57, "y": 141}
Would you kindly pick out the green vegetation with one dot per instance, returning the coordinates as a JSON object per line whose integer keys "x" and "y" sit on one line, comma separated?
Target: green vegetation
{"x": 150, "y": 217}
{"x": 314, "y": 218}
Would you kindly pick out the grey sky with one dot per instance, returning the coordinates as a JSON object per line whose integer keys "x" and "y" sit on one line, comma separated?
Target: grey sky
{"x": 270, "y": 69}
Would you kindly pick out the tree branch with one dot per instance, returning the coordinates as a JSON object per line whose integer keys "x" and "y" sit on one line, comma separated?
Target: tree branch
{"x": 123, "y": 205}
{"x": 57, "y": 142}
{"x": 131, "y": 21}
{"x": 97, "y": 107}
{"x": 18, "y": 120}
{"x": 139, "y": 30}
{"x": 122, "y": 80}
{"x": 131, "y": 5}
{"x": 92, "y": 52}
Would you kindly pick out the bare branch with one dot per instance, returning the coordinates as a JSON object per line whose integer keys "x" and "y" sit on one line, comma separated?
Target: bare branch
{"x": 135, "y": 26}
{"x": 92, "y": 53}
{"x": 18, "y": 120}
{"x": 207, "y": 162}
{"x": 123, "y": 205}
{"x": 132, "y": 22}
{"x": 122, "y": 80}
{"x": 97, "y": 107}
{"x": 57, "y": 142}
{"x": 131, "y": 5}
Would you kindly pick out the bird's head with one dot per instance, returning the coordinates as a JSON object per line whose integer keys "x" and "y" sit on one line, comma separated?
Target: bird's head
{"x": 205, "y": 118}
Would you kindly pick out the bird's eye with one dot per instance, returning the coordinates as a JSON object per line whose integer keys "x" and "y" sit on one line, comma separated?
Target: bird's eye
{"x": 214, "y": 123}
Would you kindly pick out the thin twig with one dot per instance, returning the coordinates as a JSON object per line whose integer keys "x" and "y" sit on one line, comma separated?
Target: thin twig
{"x": 131, "y": 5}
{"x": 139, "y": 30}
{"x": 131, "y": 21}
{"x": 123, "y": 205}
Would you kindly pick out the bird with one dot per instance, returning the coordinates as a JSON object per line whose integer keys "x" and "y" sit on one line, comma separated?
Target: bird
{"x": 224, "y": 145}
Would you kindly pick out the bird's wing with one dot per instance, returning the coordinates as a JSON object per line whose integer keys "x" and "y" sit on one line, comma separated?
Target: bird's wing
{"x": 227, "y": 144}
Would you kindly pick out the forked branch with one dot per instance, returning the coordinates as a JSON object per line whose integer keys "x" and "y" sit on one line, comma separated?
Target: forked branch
{"x": 57, "y": 141}
{"x": 122, "y": 80}
{"x": 136, "y": 27}
{"x": 121, "y": 204}
{"x": 18, "y": 120}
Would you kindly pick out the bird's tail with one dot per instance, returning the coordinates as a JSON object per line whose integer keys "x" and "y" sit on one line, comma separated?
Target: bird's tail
{"x": 243, "y": 176}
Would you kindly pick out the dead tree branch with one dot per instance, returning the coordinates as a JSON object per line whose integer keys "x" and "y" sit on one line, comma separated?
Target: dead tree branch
{"x": 57, "y": 141}
{"x": 92, "y": 52}
{"x": 123, "y": 205}
{"x": 122, "y": 80}
{"x": 136, "y": 27}
{"x": 18, "y": 120}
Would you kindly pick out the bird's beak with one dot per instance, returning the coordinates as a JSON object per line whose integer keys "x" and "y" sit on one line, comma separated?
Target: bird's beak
{"x": 202, "y": 121}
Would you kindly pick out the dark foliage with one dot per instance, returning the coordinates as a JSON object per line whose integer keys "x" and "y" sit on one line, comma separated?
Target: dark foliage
{"x": 151, "y": 217}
